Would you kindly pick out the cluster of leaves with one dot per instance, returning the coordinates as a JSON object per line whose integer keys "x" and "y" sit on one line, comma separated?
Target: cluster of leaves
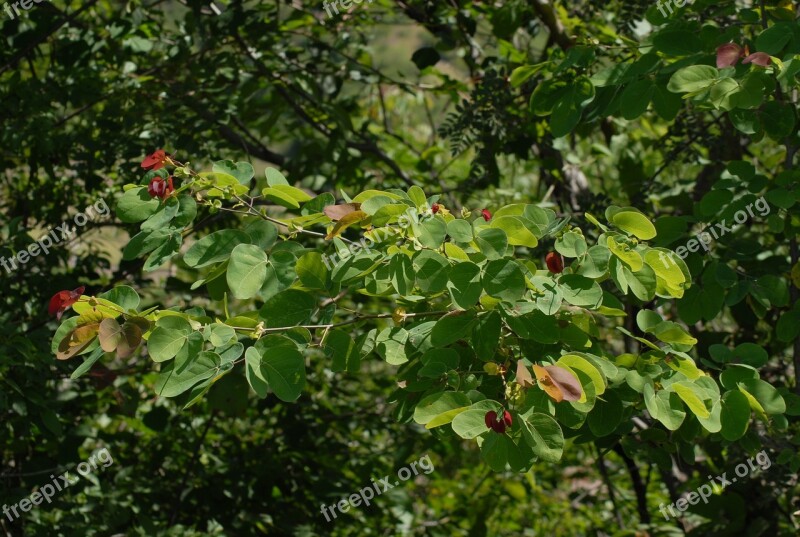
{"x": 495, "y": 312}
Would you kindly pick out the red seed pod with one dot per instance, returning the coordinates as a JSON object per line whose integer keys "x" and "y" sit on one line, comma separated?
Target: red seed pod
{"x": 507, "y": 418}
{"x": 499, "y": 427}
{"x": 555, "y": 262}
{"x": 160, "y": 188}
{"x": 491, "y": 419}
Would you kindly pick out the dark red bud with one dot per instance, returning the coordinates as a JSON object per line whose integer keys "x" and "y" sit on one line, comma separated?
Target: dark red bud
{"x": 486, "y": 214}
{"x": 491, "y": 419}
{"x": 555, "y": 262}
{"x": 507, "y": 418}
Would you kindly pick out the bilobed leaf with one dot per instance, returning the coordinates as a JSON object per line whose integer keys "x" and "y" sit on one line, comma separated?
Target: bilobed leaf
{"x": 247, "y": 270}
{"x": 124, "y": 339}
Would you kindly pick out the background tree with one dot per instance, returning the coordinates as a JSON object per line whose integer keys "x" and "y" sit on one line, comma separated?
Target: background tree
{"x": 571, "y": 107}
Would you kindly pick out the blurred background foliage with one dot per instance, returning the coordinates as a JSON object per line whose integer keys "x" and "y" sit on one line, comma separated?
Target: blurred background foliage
{"x": 391, "y": 93}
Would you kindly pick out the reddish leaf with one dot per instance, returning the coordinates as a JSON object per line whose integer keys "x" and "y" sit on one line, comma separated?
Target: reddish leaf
{"x": 546, "y": 383}
{"x": 566, "y": 382}
{"x": 156, "y": 161}
{"x": 524, "y": 377}
{"x": 64, "y": 299}
{"x": 758, "y": 58}
{"x": 345, "y": 222}
{"x": 337, "y": 212}
{"x": 558, "y": 383}
{"x": 728, "y": 54}
{"x": 76, "y": 341}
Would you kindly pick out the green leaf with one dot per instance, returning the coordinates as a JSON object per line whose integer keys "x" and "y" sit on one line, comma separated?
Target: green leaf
{"x": 452, "y": 327}
{"x": 571, "y": 244}
{"x": 693, "y": 78}
{"x": 465, "y": 284}
{"x": 778, "y": 119}
{"x": 440, "y": 408}
{"x": 517, "y": 229}
{"x": 544, "y": 436}
{"x": 635, "y": 223}
{"x": 241, "y": 171}
{"x": 691, "y": 395}
{"x": 431, "y": 233}
{"x": 288, "y": 308}
{"x": 172, "y": 381}
{"x": 286, "y": 196}
{"x": 247, "y": 271}
{"x": 580, "y": 290}
{"x": 569, "y": 108}
{"x": 164, "y": 252}
{"x": 766, "y": 395}
{"x": 503, "y": 279}
{"x": 311, "y": 271}
{"x": 136, "y": 205}
{"x": 343, "y": 351}
{"x": 775, "y": 38}
{"x": 275, "y": 177}
{"x": 252, "y": 360}
{"x": 665, "y": 406}
{"x": 460, "y": 230}
{"x": 472, "y": 422}
{"x": 492, "y": 242}
{"x": 214, "y": 248}
{"x": 390, "y": 345}
{"x": 168, "y": 338}
{"x": 605, "y": 416}
{"x": 124, "y": 296}
{"x": 735, "y": 415}
{"x": 284, "y": 369}
{"x": 432, "y": 271}
{"x": 670, "y": 332}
